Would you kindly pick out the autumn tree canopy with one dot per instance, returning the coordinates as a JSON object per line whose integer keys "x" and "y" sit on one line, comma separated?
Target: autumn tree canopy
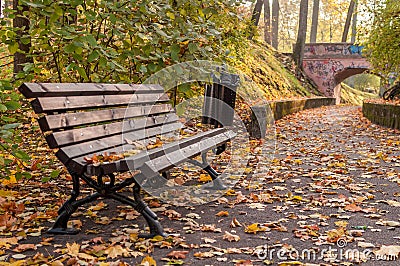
{"x": 384, "y": 38}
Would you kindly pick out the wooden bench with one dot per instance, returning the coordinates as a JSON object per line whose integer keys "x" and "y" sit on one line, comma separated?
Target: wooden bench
{"x": 82, "y": 120}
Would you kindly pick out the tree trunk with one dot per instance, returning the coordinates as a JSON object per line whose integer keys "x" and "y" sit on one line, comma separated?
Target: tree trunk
{"x": 267, "y": 22}
{"x": 298, "y": 52}
{"x": 275, "y": 23}
{"x": 314, "y": 23}
{"x": 354, "y": 27}
{"x": 348, "y": 20}
{"x": 255, "y": 17}
{"x": 22, "y": 25}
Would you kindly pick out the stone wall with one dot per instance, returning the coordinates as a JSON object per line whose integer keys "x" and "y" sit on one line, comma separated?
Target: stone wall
{"x": 262, "y": 116}
{"x": 387, "y": 115}
{"x": 286, "y": 107}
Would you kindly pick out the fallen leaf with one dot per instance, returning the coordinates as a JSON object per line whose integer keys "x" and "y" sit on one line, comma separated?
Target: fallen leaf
{"x": 222, "y": 214}
{"x": 235, "y": 223}
{"x": 254, "y": 228}
{"x": 209, "y": 240}
{"x": 73, "y": 249}
{"x": 148, "y": 261}
{"x": 24, "y": 247}
{"x": 177, "y": 254}
{"x": 231, "y": 237}
{"x": 387, "y": 252}
{"x": 353, "y": 207}
{"x": 365, "y": 245}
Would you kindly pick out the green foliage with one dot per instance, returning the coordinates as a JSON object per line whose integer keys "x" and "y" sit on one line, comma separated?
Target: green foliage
{"x": 10, "y": 151}
{"x": 107, "y": 41}
{"x": 384, "y": 38}
{"x": 120, "y": 41}
{"x": 364, "y": 82}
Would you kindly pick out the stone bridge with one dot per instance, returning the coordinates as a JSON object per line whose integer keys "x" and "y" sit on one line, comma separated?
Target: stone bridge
{"x": 328, "y": 64}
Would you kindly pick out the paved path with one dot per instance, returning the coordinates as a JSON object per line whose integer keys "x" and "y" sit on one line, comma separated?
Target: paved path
{"x": 330, "y": 194}
{"x": 332, "y": 173}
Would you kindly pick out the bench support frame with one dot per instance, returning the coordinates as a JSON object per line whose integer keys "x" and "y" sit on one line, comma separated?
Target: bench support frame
{"x": 105, "y": 190}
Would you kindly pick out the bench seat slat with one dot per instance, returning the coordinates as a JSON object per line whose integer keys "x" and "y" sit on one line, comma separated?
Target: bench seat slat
{"x": 68, "y": 120}
{"x": 35, "y": 90}
{"x": 77, "y": 135}
{"x": 98, "y": 146}
{"x": 60, "y": 104}
{"x": 139, "y": 159}
{"x": 174, "y": 158}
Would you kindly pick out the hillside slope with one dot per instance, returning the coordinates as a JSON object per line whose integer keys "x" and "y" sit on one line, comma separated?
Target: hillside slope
{"x": 353, "y": 96}
{"x": 273, "y": 72}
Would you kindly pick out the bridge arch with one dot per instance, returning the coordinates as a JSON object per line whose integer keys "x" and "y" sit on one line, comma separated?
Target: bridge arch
{"x": 328, "y": 64}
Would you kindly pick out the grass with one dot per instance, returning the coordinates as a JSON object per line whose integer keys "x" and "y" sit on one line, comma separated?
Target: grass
{"x": 355, "y": 97}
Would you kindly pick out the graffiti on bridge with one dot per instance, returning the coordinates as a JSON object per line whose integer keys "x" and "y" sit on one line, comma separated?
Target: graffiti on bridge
{"x": 327, "y": 63}
{"x": 323, "y": 68}
{"x": 332, "y": 49}
{"x": 324, "y": 72}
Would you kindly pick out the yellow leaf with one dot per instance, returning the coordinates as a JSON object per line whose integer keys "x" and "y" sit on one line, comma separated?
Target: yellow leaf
{"x": 7, "y": 193}
{"x": 254, "y": 228}
{"x": 205, "y": 178}
{"x": 73, "y": 249}
{"x": 297, "y": 198}
{"x": 11, "y": 180}
{"x": 98, "y": 207}
{"x": 148, "y": 261}
{"x": 298, "y": 161}
{"x": 115, "y": 252}
{"x": 7, "y": 242}
{"x": 208, "y": 254}
{"x": 335, "y": 234}
{"x": 230, "y": 192}
{"x": 341, "y": 223}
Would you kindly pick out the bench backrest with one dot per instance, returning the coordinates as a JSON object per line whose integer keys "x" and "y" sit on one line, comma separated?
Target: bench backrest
{"x": 86, "y": 118}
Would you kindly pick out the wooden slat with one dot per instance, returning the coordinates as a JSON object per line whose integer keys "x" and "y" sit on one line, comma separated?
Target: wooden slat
{"x": 59, "y": 104}
{"x": 95, "y": 146}
{"x": 77, "y": 135}
{"x": 174, "y": 158}
{"x": 68, "y": 120}
{"x": 35, "y": 90}
{"x": 138, "y": 160}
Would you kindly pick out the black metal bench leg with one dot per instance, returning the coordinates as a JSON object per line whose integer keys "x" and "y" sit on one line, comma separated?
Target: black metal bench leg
{"x": 60, "y": 226}
{"x": 139, "y": 205}
{"x": 217, "y": 183}
{"x": 150, "y": 217}
{"x": 74, "y": 193}
{"x": 66, "y": 210}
